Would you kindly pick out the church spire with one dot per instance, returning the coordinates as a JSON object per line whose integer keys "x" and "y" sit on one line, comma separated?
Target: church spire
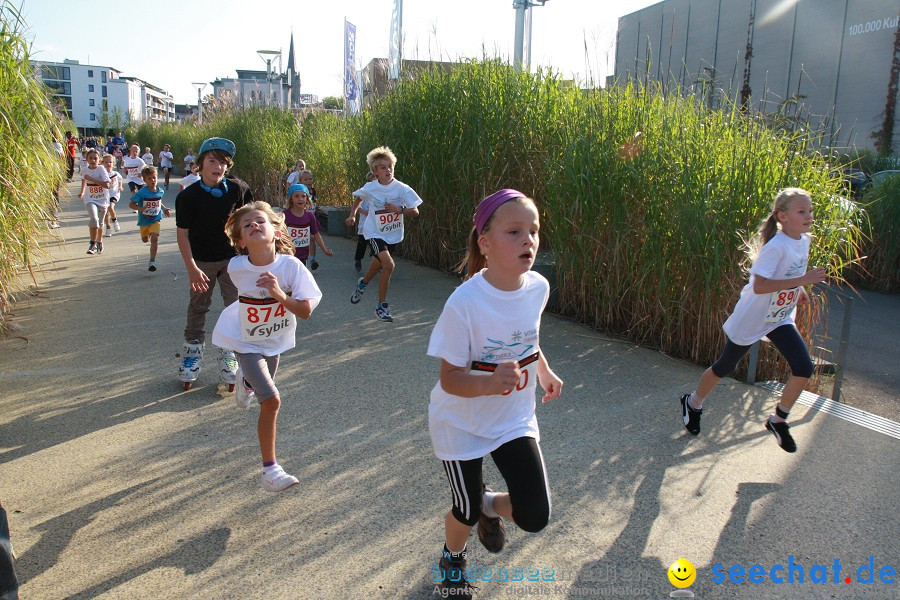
{"x": 290, "y": 65}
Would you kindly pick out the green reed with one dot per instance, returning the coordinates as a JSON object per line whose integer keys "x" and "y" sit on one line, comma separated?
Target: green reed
{"x": 30, "y": 169}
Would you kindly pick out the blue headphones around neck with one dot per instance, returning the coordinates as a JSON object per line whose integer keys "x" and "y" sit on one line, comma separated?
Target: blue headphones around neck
{"x": 215, "y": 192}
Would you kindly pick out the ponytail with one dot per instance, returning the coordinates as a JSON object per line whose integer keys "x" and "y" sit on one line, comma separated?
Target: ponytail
{"x": 474, "y": 260}
{"x": 769, "y": 227}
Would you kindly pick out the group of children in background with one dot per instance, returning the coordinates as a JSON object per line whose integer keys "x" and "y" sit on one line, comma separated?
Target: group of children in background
{"x": 486, "y": 338}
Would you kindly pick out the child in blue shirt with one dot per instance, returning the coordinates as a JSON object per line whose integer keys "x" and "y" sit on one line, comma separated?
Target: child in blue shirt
{"x": 148, "y": 202}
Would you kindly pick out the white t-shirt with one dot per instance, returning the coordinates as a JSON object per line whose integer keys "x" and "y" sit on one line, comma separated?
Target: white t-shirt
{"x": 256, "y": 322}
{"x": 755, "y": 315}
{"x": 188, "y": 159}
{"x": 96, "y": 194}
{"x": 380, "y": 223}
{"x": 165, "y": 159}
{"x": 132, "y": 167}
{"x": 189, "y": 179}
{"x": 147, "y": 158}
{"x": 293, "y": 177}
{"x": 479, "y": 328}
{"x": 361, "y": 221}
{"x": 115, "y": 184}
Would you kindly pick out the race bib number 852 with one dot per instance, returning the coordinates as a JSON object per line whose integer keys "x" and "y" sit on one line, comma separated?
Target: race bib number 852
{"x": 300, "y": 236}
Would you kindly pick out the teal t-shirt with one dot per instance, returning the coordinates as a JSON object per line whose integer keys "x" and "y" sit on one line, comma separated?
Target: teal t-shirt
{"x": 150, "y": 204}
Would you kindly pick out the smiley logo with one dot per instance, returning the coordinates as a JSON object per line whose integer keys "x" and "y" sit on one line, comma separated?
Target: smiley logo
{"x": 682, "y": 573}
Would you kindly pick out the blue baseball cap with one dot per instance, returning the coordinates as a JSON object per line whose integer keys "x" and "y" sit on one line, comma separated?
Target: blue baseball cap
{"x": 297, "y": 187}
{"x": 216, "y": 143}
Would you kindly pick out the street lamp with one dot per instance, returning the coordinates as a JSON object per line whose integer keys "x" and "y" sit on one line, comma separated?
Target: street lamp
{"x": 200, "y": 85}
{"x": 522, "y": 44}
{"x": 268, "y": 56}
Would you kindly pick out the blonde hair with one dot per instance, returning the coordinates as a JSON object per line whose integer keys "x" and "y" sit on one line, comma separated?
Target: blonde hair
{"x": 379, "y": 153}
{"x": 283, "y": 244}
{"x": 288, "y": 203}
{"x": 769, "y": 227}
{"x": 148, "y": 170}
{"x": 475, "y": 260}
{"x": 91, "y": 151}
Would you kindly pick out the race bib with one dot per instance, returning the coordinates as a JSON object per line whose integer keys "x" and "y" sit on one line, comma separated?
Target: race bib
{"x": 263, "y": 319}
{"x": 781, "y": 304}
{"x": 95, "y": 192}
{"x": 151, "y": 207}
{"x": 386, "y": 221}
{"x": 524, "y": 365}
{"x": 134, "y": 172}
{"x": 300, "y": 236}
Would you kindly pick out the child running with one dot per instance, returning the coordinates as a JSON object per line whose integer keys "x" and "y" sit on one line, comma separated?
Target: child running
{"x": 132, "y": 165}
{"x": 484, "y": 401}
{"x": 165, "y": 162}
{"x": 115, "y": 191}
{"x": 301, "y": 223}
{"x": 361, "y": 244}
{"x": 766, "y": 308}
{"x": 389, "y": 201}
{"x": 147, "y": 157}
{"x": 273, "y": 289}
{"x": 95, "y": 180}
{"x": 148, "y": 202}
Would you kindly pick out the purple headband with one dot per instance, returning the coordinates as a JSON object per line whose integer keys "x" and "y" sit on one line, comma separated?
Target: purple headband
{"x": 489, "y": 205}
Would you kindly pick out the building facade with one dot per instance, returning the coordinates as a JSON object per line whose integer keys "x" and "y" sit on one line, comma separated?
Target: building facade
{"x": 832, "y": 57}
{"x": 94, "y": 94}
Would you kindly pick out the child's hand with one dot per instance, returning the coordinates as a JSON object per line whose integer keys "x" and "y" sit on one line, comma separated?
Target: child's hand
{"x": 395, "y": 208}
{"x": 269, "y": 282}
{"x": 328, "y": 252}
{"x": 815, "y": 275}
{"x": 81, "y": 194}
{"x": 167, "y": 212}
{"x": 552, "y": 384}
{"x": 803, "y": 298}
{"x": 505, "y": 377}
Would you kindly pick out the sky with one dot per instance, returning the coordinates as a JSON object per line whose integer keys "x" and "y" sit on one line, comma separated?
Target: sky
{"x": 172, "y": 44}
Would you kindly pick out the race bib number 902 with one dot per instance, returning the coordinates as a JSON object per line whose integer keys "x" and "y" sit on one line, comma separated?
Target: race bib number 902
{"x": 262, "y": 319}
{"x": 386, "y": 222}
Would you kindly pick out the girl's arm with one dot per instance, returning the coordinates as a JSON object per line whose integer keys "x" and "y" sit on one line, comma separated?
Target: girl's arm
{"x": 321, "y": 243}
{"x": 460, "y": 382}
{"x": 552, "y": 384}
{"x": 762, "y": 285}
{"x": 301, "y": 308}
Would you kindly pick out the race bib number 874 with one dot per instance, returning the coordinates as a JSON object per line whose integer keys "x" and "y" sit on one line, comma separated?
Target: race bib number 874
{"x": 262, "y": 318}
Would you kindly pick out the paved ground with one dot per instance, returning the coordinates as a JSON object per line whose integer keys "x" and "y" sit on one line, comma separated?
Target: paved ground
{"x": 121, "y": 485}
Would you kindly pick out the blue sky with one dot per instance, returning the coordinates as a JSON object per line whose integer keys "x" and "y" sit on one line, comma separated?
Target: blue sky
{"x": 201, "y": 40}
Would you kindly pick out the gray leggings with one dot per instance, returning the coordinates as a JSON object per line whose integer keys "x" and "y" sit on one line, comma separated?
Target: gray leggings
{"x": 259, "y": 372}
{"x": 96, "y": 213}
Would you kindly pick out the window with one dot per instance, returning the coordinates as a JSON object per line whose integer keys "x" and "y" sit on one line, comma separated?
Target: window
{"x": 51, "y": 72}
{"x": 90, "y": 87}
{"x": 93, "y": 117}
{"x": 90, "y": 102}
{"x": 103, "y": 76}
{"x": 103, "y": 91}
{"x": 59, "y": 87}
{"x": 90, "y": 72}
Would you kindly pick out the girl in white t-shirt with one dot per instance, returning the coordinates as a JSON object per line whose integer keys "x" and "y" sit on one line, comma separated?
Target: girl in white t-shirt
{"x": 132, "y": 165}
{"x": 484, "y": 402}
{"x": 95, "y": 181}
{"x": 165, "y": 162}
{"x": 188, "y": 161}
{"x": 766, "y": 308}
{"x": 273, "y": 289}
{"x": 147, "y": 157}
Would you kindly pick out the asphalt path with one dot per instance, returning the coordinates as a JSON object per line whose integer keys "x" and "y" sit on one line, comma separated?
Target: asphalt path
{"x": 119, "y": 484}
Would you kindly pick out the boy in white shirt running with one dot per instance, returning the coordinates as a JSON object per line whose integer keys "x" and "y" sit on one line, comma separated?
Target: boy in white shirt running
{"x": 389, "y": 202}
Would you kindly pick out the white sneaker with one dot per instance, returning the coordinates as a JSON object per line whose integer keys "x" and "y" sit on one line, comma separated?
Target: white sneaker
{"x": 276, "y": 480}
{"x": 243, "y": 395}
{"x": 116, "y": 226}
{"x": 108, "y": 232}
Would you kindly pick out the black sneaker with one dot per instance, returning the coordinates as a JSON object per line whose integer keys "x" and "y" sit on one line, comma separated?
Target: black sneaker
{"x": 313, "y": 265}
{"x": 99, "y": 246}
{"x": 782, "y": 433}
{"x": 690, "y": 416}
{"x": 453, "y": 573}
{"x": 92, "y": 249}
{"x": 491, "y": 531}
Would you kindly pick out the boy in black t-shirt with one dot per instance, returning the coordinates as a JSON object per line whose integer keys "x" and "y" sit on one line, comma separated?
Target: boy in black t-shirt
{"x": 200, "y": 214}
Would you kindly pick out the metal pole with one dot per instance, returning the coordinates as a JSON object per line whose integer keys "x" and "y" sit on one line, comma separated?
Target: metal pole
{"x": 199, "y": 107}
{"x": 521, "y": 7}
{"x": 842, "y": 351}
{"x": 754, "y": 361}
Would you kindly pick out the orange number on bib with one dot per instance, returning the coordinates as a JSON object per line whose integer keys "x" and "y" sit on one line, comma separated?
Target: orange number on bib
{"x": 523, "y": 383}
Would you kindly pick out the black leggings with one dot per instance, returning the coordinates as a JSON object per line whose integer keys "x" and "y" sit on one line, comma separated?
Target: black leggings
{"x": 521, "y": 464}
{"x": 789, "y": 343}
{"x": 361, "y": 246}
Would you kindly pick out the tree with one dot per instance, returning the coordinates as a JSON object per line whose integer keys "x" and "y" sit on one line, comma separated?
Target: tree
{"x": 884, "y": 137}
{"x": 333, "y": 103}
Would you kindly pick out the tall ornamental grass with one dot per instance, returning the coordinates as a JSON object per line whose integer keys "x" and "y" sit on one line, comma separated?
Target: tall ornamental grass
{"x": 267, "y": 142}
{"x": 30, "y": 168}
{"x": 880, "y": 270}
{"x": 646, "y": 198}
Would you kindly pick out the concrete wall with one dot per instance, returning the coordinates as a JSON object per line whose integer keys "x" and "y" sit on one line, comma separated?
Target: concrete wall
{"x": 833, "y": 55}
